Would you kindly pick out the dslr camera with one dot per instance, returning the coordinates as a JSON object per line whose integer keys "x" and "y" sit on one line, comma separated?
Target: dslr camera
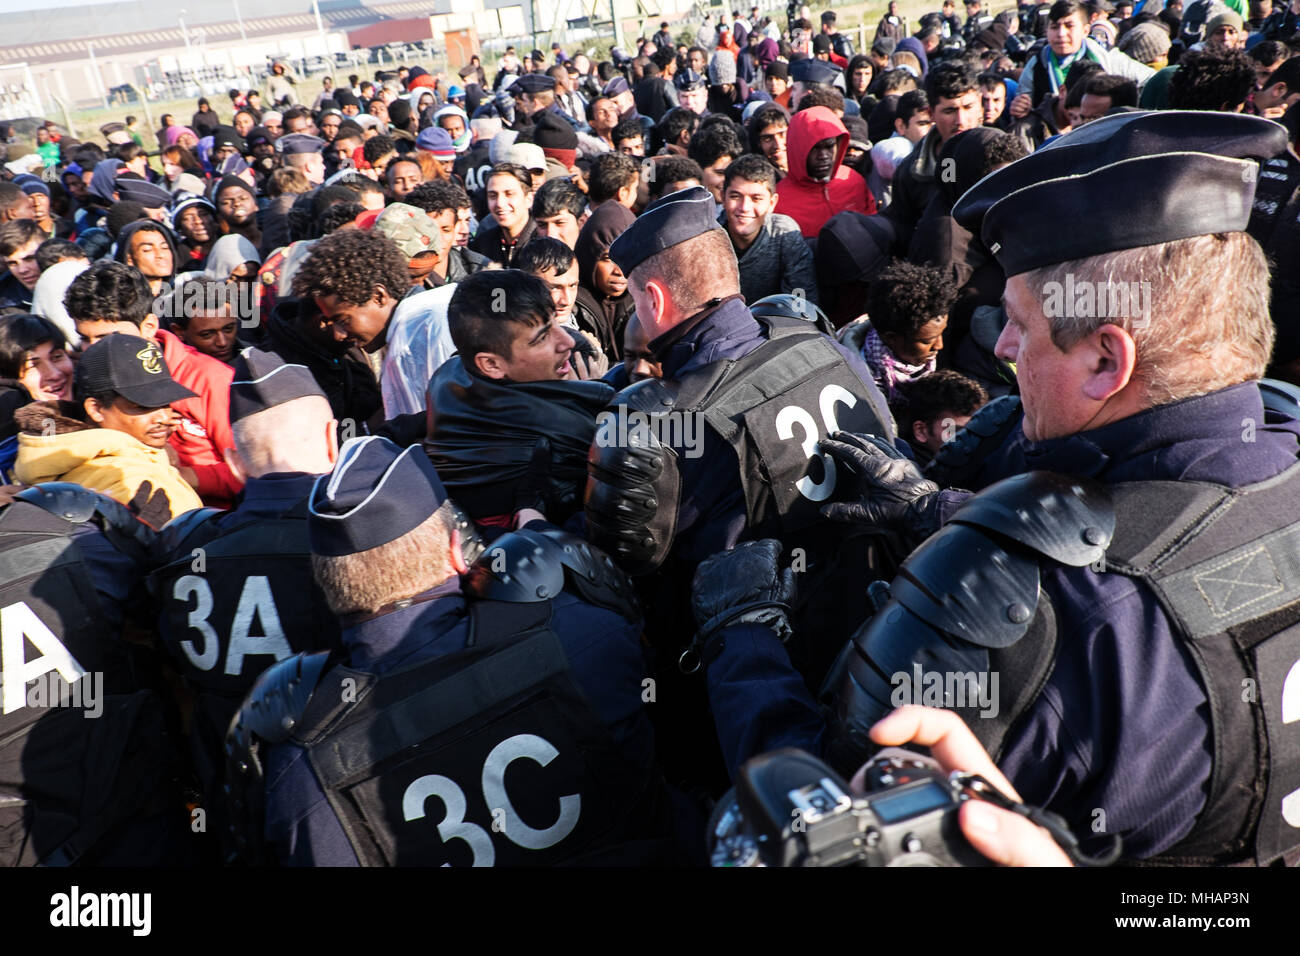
{"x": 790, "y": 809}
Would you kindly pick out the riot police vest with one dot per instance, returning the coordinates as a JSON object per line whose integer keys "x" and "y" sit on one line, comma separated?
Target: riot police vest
{"x": 238, "y": 598}
{"x": 523, "y": 772}
{"x": 81, "y": 748}
{"x": 771, "y": 407}
{"x": 1225, "y": 567}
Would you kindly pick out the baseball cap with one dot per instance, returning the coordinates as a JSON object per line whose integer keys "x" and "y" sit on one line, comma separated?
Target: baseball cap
{"x": 409, "y": 227}
{"x": 133, "y": 367}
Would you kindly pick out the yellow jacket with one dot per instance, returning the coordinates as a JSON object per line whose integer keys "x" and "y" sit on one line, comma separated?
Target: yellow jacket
{"x": 106, "y": 461}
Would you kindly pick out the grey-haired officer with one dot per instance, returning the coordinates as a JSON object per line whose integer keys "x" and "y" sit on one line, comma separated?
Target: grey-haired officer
{"x": 501, "y": 722}
{"x": 1129, "y": 574}
{"x": 236, "y": 588}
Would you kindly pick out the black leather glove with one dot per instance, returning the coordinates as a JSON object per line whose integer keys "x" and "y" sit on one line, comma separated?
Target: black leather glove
{"x": 744, "y": 584}
{"x": 151, "y": 506}
{"x": 892, "y": 491}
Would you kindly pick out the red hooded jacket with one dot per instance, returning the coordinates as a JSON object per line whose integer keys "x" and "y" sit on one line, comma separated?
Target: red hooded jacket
{"x": 205, "y": 421}
{"x": 811, "y": 203}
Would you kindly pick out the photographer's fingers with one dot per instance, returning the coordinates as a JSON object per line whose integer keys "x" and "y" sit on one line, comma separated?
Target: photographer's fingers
{"x": 1007, "y": 838}
{"x": 949, "y": 739}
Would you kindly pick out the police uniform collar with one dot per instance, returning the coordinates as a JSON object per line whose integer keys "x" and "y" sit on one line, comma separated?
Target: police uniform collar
{"x": 676, "y": 346}
{"x": 424, "y": 597}
{"x": 1139, "y": 441}
{"x": 279, "y": 491}
{"x": 380, "y": 636}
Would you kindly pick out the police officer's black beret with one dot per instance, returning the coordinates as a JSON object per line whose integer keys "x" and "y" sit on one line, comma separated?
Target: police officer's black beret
{"x": 263, "y": 380}
{"x": 666, "y": 222}
{"x": 296, "y": 143}
{"x": 688, "y": 79}
{"x": 376, "y": 493}
{"x": 1121, "y": 182}
{"x": 531, "y": 83}
{"x": 143, "y": 192}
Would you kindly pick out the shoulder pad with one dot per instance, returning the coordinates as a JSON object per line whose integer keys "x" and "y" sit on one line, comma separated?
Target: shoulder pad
{"x": 1280, "y": 397}
{"x": 986, "y": 430}
{"x": 519, "y": 567}
{"x": 1067, "y": 519}
{"x": 183, "y": 531}
{"x": 66, "y": 500}
{"x": 78, "y": 505}
{"x": 966, "y": 584}
{"x": 592, "y": 573}
{"x": 535, "y": 565}
{"x": 278, "y": 699}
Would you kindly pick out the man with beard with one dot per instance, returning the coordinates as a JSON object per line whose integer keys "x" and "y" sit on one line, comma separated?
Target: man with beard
{"x": 237, "y": 209}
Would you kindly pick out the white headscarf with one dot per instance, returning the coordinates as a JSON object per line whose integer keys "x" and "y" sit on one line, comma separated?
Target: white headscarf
{"x": 47, "y": 297}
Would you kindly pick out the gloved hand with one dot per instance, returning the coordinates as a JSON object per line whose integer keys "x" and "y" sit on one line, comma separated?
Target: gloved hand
{"x": 892, "y": 491}
{"x": 743, "y": 584}
{"x": 151, "y": 506}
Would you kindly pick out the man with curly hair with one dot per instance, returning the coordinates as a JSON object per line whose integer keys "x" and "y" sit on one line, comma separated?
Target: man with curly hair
{"x": 359, "y": 277}
{"x": 908, "y": 308}
{"x": 356, "y": 278}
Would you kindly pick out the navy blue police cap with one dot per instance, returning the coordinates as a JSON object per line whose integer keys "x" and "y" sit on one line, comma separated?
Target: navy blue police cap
{"x": 299, "y": 143}
{"x": 143, "y": 192}
{"x": 376, "y": 493}
{"x": 812, "y": 70}
{"x": 667, "y": 221}
{"x": 1180, "y": 174}
{"x": 687, "y": 80}
{"x": 531, "y": 83}
{"x": 615, "y": 86}
{"x": 263, "y": 380}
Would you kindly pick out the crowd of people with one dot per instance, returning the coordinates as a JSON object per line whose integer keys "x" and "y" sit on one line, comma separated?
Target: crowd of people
{"x": 314, "y": 419}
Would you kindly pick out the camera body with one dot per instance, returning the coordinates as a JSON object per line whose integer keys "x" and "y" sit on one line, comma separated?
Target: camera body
{"x": 790, "y": 809}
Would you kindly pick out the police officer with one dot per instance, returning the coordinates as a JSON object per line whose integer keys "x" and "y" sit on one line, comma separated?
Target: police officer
{"x": 235, "y": 587}
{"x": 515, "y": 703}
{"x": 750, "y": 396}
{"x": 1128, "y": 572}
{"x": 729, "y": 453}
{"x": 86, "y": 768}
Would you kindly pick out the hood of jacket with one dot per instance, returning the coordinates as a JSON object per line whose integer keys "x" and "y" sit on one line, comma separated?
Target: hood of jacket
{"x": 131, "y": 228}
{"x": 808, "y": 128}
{"x": 598, "y": 233}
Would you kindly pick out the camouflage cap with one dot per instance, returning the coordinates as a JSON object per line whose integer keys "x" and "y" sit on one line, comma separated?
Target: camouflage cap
{"x": 409, "y": 227}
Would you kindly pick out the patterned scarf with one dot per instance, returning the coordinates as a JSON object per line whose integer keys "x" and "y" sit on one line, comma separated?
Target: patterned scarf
{"x": 887, "y": 370}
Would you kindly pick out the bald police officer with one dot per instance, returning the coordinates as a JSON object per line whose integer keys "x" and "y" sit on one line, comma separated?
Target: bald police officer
{"x": 236, "y": 589}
